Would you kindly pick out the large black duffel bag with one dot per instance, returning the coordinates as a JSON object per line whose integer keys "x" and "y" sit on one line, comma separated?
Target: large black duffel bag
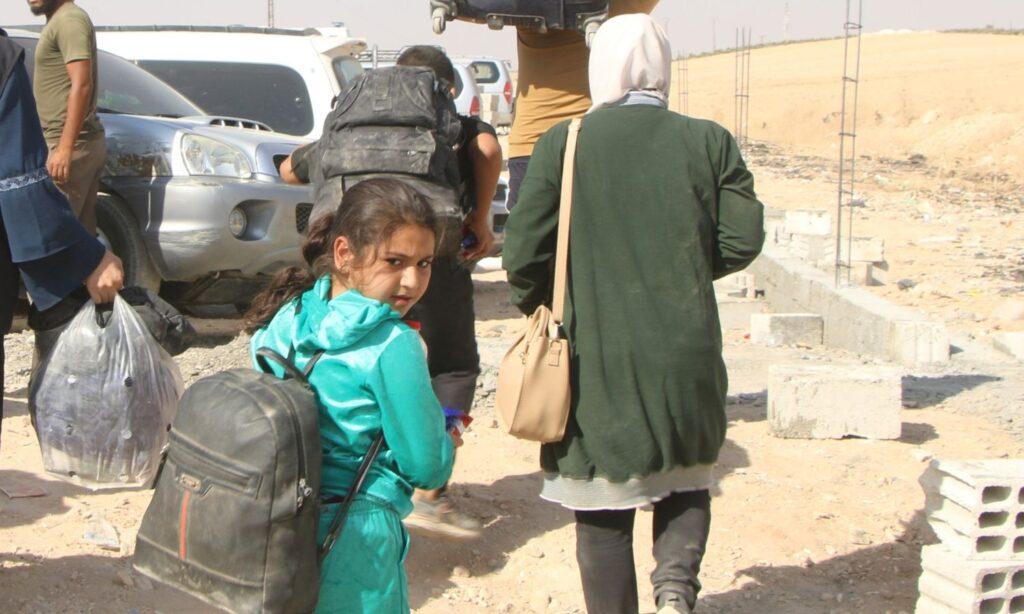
{"x": 585, "y": 16}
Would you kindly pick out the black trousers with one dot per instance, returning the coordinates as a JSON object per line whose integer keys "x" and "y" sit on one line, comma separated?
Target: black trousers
{"x": 8, "y": 299}
{"x": 516, "y": 172}
{"x": 447, "y": 321}
{"x": 604, "y": 552}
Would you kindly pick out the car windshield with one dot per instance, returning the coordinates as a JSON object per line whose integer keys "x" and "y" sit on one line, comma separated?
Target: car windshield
{"x": 273, "y": 94}
{"x": 126, "y": 88}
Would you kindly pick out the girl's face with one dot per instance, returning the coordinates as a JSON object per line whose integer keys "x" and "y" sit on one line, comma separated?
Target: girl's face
{"x": 397, "y": 274}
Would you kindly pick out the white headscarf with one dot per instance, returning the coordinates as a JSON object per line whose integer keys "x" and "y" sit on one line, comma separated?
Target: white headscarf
{"x": 629, "y": 53}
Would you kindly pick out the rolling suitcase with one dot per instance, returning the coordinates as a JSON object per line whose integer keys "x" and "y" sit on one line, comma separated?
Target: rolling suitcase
{"x": 584, "y": 16}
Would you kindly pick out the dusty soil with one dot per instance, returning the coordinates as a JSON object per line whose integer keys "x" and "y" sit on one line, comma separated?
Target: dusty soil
{"x": 798, "y": 526}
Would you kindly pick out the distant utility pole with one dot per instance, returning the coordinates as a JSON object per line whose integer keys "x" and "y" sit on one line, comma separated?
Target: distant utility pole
{"x": 785, "y": 25}
{"x": 742, "y": 107}
{"x": 270, "y": 13}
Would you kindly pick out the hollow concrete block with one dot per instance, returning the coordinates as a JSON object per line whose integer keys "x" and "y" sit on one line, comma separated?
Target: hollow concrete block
{"x": 950, "y": 583}
{"x": 977, "y": 507}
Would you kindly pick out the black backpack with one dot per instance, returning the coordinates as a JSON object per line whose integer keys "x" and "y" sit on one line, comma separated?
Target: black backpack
{"x": 397, "y": 122}
{"x": 236, "y": 510}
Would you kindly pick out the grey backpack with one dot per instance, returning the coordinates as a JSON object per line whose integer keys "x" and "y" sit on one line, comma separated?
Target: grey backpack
{"x": 398, "y": 122}
{"x": 235, "y": 514}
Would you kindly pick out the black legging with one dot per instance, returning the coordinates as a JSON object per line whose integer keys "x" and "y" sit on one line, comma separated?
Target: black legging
{"x": 604, "y": 551}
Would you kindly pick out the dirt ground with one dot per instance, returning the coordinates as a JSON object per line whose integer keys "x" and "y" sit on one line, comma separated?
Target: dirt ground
{"x": 798, "y": 526}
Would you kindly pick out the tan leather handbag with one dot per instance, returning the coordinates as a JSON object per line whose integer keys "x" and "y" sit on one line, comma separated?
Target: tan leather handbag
{"x": 534, "y": 393}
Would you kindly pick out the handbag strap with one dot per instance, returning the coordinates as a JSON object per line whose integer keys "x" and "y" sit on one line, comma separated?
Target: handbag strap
{"x": 338, "y": 522}
{"x": 564, "y": 215}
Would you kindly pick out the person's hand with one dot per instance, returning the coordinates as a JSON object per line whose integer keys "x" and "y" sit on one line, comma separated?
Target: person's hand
{"x": 106, "y": 279}
{"x": 58, "y": 164}
{"x": 477, "y": 224}
{"x": 456, "y": 438}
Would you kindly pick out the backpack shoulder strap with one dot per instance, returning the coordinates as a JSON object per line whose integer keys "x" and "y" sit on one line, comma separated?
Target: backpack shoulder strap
{"x": 338, "y": 522}
{"x": 265, "y": 354}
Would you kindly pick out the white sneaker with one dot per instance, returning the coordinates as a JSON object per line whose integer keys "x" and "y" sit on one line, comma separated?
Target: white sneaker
{"x": 440, "y": 519}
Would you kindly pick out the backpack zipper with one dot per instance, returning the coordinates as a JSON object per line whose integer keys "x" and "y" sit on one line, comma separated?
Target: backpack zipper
{"x": 303, "y": 488}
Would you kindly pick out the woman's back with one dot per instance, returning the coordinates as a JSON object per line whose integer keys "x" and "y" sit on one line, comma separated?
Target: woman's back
{"x": 662, "y": 206}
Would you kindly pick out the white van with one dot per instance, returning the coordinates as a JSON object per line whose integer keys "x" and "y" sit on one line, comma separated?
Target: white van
{"x": 286, "y": 79}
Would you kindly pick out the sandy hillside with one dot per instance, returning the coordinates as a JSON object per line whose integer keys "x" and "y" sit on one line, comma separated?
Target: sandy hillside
{"x": 939, "y": 165}
{"x": 956, "y": 99}
{"x": 802, "y": 527}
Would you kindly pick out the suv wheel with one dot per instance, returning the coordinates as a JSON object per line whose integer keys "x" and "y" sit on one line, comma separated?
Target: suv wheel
{"x": 119, "y": 231}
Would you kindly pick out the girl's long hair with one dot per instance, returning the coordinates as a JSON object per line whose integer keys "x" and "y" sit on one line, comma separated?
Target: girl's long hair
{"x": 369, "y": 214}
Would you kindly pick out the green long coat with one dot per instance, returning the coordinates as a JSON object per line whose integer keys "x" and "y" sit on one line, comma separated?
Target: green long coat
{"x": 663, "y": 204}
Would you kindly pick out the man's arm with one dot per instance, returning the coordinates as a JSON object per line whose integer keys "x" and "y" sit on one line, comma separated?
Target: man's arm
{"x": 295, "y": 168}
{"x": 485, "y": 154}
{"x": 59, "y": 161}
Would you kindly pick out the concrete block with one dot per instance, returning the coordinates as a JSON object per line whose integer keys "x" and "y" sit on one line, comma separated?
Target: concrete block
{"x": 775, "y": 329}
{"x": 882, "y": 273}
{"x": 862, "y": 273}
{"x": 862, "y": 249}
{"x": 734, "y": 313}
{"x": 927, "y": 605}
{"x": 855, "y": 319}
{"x": 1010, "y": 343}
{"x": 821, "y": 402}
{"x": 809, "y": 222}
{"x": 741, "y": 285}
{"x": 919, "y": 342}
{"x": 821, "y": 249}
{"x": 979, "y": 587}
{"x": 977, "y": 507}
{"x": 775, "y": 227}
{"x": 1010, "y": 310}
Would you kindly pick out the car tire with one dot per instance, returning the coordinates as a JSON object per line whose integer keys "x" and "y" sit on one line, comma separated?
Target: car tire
{"x": 119, "y": 231}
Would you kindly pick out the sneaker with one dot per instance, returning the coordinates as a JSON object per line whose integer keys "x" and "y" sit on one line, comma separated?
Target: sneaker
{"x": 440, "y": 519}
{"x": 673, "y": 603}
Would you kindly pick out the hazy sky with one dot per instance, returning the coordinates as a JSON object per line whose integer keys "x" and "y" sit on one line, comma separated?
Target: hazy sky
{"x": 693, "y": 26}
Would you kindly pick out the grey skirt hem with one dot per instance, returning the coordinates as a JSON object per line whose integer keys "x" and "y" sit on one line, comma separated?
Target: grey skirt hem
{"x": 601, "y": 494}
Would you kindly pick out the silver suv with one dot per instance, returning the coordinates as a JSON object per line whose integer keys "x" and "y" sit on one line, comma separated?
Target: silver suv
{"x": 192, "y": 204}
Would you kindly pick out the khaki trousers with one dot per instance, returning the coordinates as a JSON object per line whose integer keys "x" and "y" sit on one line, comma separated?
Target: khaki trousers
{"x": 83, "y": 182}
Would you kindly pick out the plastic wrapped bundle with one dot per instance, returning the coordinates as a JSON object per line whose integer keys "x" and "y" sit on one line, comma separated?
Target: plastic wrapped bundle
{"x": 103, "y": 400}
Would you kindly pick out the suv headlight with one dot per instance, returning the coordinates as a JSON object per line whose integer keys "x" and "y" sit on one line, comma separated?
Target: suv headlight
{"x": 206, "y": 156}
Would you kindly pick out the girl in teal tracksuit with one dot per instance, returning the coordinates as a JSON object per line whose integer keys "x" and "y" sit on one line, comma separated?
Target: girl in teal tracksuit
{"x": 371, "y": 262}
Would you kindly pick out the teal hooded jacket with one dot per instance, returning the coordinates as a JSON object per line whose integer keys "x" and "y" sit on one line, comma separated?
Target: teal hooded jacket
{"x": 372, "y": 376}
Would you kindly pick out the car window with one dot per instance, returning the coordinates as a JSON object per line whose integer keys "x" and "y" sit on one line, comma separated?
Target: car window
{"x": 346, "y": 69}
{"x": 126, "y": 88}
{"x": 485, "y": 72}
{"x": 272, "y": 94}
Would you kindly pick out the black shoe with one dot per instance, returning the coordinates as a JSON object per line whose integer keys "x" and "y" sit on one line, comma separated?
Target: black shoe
{"x": 673, "y": 603}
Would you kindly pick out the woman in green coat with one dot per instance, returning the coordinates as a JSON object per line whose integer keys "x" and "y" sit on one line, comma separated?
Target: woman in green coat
{"x": 662, "y": 206}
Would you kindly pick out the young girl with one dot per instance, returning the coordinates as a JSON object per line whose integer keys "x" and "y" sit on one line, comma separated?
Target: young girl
{"x": 371, "y": 262}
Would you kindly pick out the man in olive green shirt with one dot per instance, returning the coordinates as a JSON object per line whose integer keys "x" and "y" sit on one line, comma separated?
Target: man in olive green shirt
{"x": 65, "y": 87}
